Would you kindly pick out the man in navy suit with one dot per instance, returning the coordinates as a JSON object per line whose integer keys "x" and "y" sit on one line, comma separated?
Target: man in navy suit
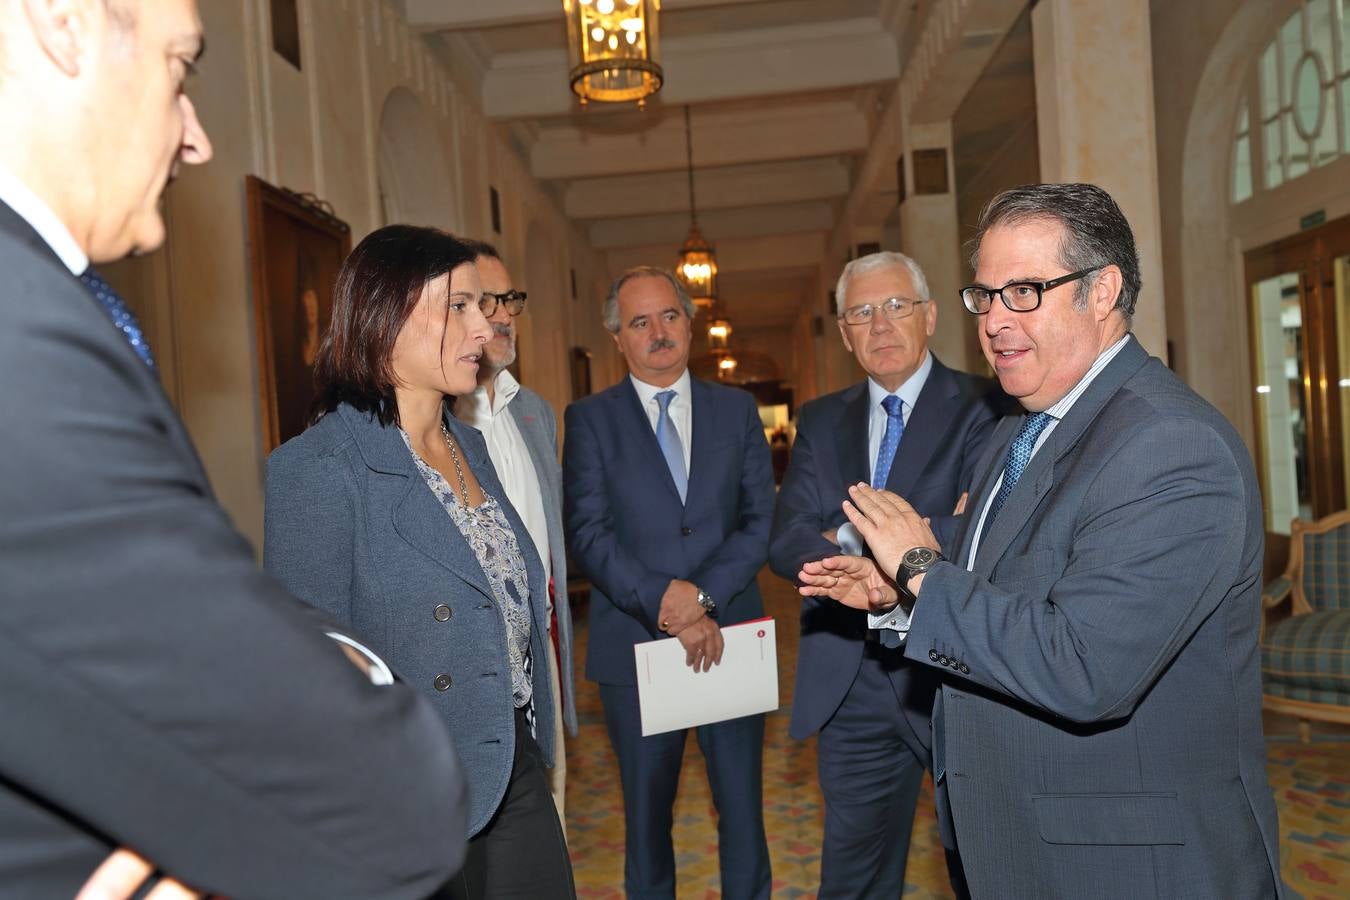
{"x": 917, "y": 428}
{"x": 669, "y": 495}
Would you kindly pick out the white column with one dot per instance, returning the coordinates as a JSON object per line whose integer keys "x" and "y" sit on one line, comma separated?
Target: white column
{"x": 930, "y": 234}
{"x": 1094, "y": 108}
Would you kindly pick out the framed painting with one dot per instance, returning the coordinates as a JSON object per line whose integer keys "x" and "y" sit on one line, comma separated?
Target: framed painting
{"x": 296, "y": 246}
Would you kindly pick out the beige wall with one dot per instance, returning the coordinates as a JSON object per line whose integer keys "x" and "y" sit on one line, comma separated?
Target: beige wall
{"x": 318, "y": 130}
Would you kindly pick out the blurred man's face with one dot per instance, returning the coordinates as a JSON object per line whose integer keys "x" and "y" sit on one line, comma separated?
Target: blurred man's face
{"x": 143, "y": 124}
{"x": 500, "y": 350}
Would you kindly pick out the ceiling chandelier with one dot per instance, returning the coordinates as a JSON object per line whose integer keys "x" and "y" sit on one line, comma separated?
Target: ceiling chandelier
{"x": 697, "y": 266}
{"x": 611, "y": 48}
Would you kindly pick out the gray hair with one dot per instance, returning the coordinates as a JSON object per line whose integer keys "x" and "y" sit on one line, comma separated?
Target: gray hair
{"x": 1096, "y": 233}
{"x": 610, "y": 313}
{"x": 883, "y": 259}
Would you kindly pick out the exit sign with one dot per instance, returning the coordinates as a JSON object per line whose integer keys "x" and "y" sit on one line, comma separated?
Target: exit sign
{"x": 1312, "y": 220}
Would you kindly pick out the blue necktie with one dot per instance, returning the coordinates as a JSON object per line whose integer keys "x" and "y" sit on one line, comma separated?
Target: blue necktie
{"x": 669, "y": 440}
{"x": 1019, "y": 455}
{"x": 121, "y": 316}
{"x": 890, "y": 441}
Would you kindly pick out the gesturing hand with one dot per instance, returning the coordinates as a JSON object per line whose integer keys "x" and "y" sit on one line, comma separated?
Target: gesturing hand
{"x": 889, "y": 525}
{"x": 852, "y": 580}
{"x": 702, "y": 643}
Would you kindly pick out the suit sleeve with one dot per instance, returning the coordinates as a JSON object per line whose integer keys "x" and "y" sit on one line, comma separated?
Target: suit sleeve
{"x": 1157, "y": 545}
{"x": 173, "y": 698}
{"x": 309, "y": 531}
{"x": 798, "y": 518}
{"x": 733, "y": 566}
{"x": 620, "y": 576}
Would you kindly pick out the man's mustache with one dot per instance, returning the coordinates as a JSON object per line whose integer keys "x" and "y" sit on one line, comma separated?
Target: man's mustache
{"x": 661, "y": 344}
{"x": 501, "y": 330}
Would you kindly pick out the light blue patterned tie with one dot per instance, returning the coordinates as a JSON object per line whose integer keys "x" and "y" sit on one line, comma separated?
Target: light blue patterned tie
{"x": 890, "y": 442}
{"x": 671, "y": 448}
{"x": 1019, "y": 455}
{"x": 121, "y": 316}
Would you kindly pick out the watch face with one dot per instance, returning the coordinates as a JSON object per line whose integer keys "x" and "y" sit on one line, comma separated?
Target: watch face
{"x": 920, "y": 557}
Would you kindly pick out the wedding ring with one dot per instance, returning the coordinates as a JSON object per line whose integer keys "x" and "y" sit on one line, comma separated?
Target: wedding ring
{"x": 665, "y": 624}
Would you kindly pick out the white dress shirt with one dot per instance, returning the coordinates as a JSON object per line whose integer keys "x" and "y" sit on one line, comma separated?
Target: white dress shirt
{"x": 31, "y": 208}
{"x": 509, "y": 454}
{"x": 876, "y": 421}
{"x": 897, "y": 619}
{"x": 681, "y": 409}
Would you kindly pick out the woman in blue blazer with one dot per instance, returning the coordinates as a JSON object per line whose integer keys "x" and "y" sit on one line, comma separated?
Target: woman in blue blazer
{"x": 387, "y": 515}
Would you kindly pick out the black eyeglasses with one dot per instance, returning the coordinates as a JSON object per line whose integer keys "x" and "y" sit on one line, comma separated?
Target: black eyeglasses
{"x": 891, "y": 308}
{"x": 1018, "y": 296}
{"x": 513, "y": 300}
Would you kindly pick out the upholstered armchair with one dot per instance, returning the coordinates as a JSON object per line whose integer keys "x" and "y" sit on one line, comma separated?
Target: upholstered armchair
{"x": 1305, "y": 658}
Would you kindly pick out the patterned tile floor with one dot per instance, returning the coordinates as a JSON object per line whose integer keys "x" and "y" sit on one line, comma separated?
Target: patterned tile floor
{"x": 1311, "y": 784}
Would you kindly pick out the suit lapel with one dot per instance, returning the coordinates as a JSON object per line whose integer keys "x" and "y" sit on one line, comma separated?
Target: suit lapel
{"x": 990, "y": 467}
{"x": 850, "y": 438}
{"x": 703, "y": 426}
{"x": 1039, "y": 476}
{"x": 419, "y": 518}
{"x": 926, "y": 429}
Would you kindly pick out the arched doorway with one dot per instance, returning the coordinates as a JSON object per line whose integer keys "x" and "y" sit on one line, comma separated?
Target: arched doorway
{"x": 1266, "y": 185}
{"x": 413, "y": 180}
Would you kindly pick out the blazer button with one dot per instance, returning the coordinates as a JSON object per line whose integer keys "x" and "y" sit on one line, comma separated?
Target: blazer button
{"x": 686, "y": 531}
{"x": 441, "y": 612}
{"x": 942, "y": 658}
{"x": 442, "y": 682}
{"x": 964, "y": 669}
{"x": 932, "y": 655}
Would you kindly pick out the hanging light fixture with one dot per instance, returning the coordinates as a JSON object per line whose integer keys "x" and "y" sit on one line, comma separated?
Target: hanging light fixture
{"x": 726, "y": 366}
{"x": 719, "y": 333}
{"x": 697, "y": 266}
{"x": 612, "y": 48}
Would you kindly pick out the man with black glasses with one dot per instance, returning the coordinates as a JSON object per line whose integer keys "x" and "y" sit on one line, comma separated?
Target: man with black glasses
{"x": 914, "y": 427}
{"x": 522, "y": 438}
{"x": 1095, "y": 622}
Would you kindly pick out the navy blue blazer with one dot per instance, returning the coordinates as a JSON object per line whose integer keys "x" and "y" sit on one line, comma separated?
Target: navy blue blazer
{"x": 629, "y": 532}
{"x": 946, "y": 432}
{"x": 352, "y": 528}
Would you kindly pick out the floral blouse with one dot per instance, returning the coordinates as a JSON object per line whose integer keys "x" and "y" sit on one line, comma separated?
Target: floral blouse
{"x": 488, "y": 532}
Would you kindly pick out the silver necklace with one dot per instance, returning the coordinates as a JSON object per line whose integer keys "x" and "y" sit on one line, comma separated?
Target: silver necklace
{"x": 459, "y": 469}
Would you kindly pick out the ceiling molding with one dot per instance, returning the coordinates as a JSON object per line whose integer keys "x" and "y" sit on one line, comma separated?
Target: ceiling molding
{"x": 456, "y": 15}
{"x": 716, "y": 188}
{"x": 760, "y": 62}
{"x": 740, "y": 222}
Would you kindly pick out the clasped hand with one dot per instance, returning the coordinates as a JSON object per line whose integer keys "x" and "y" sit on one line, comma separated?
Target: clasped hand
{"x": 684, "y": 618}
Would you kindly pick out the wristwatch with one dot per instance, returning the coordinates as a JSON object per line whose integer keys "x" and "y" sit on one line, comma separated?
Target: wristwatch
{"x": 914, "y": 562}
{"x": 706, "y": 601}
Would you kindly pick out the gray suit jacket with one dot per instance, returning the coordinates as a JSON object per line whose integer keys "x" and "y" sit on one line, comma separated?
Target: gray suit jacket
{"x": 352, "y": 528}
{"x": 1098, "y": 731}
{"x": 535, "y": 419}
{"x": 160, "y": 692}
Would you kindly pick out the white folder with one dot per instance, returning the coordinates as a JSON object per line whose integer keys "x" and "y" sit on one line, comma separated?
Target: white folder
{"x": 672, "y": 695}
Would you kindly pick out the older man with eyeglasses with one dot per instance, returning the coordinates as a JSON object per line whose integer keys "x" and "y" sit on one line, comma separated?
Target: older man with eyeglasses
{"x": 914, "y": 427}
{"x": 521, "y": 431}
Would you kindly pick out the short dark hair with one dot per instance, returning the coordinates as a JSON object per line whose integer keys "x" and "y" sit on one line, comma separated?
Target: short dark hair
{"x": 481, "y": 249}
{"x": 377, "y": 289}
{"x": 1095, "y": 233}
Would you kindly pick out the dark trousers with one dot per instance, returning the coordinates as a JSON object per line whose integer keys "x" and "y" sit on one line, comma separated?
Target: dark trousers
{"x": 522, "y": 852}
{"x": 870, "y": 771}
{"x": 649, "y": 768}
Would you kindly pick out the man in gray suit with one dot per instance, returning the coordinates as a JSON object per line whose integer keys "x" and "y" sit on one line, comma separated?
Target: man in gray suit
{"x": 1098, "y": 731}
{"x": 523, "y": 447}
{"x": 161, "y": 694}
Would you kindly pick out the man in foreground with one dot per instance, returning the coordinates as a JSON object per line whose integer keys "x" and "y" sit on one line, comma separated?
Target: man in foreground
{"x": 160, "y": 693}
